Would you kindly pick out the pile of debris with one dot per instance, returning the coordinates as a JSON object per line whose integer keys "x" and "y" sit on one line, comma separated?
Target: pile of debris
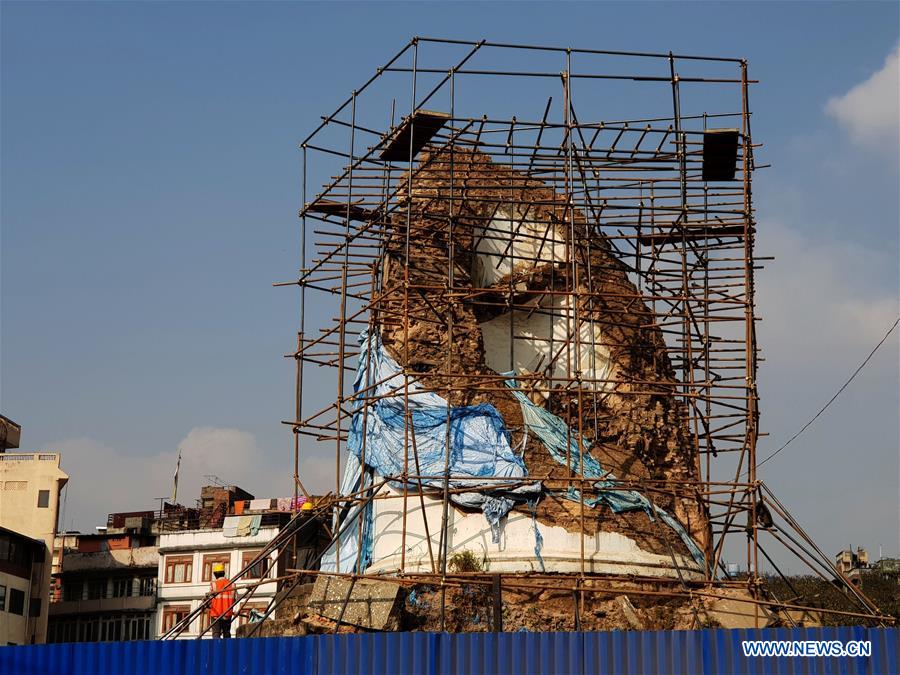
{"x": 333, "y": 604}
{"x": 337, "y": 604}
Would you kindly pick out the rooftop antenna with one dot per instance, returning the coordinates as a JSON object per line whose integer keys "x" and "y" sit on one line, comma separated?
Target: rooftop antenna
{"x": 215, "y": 480}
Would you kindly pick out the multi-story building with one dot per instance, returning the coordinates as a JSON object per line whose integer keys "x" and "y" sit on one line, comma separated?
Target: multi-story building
{"x": 849, "y": 561}
{"x": 852, "y": 563}
{"x": 106, "y": 582}
{"x": 21, "y": 565}
{"x": 144, "y": 571}
{"x": 64, "y": 541}
{"x": 30, "y": 483}
{"x": 10, "y": 434}
{"x": 890, "y": 566}
{"x": 226, "y": 529}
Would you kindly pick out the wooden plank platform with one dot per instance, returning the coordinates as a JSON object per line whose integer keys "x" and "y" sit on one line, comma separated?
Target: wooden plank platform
{"x": 691, "y": 234}
{"x": 418, "y": 129}
{"x": 329, "y": 207}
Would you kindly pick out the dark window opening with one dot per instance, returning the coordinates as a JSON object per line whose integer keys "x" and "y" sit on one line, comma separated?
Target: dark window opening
{"x": 16, "y": 601}
{"x": 96, "y": 589}
{"x": 122, "y": 588}
{"x": 259, "y": 569}
{"x": 72, "y": 590}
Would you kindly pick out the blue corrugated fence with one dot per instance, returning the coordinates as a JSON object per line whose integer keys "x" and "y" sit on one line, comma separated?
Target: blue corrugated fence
{"x": 708, "y": 652}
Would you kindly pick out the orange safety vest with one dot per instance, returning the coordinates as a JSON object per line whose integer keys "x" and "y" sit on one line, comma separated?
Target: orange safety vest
{"x": 223, "y": 598}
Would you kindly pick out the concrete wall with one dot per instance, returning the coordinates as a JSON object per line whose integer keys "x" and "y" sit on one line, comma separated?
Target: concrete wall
{"x": 199, "y": 543}
{"x": 142, "y": 556}
{"x": 109, "y": 605}
{"x": 22, "y": 477}
{"x": 14, "y": 628}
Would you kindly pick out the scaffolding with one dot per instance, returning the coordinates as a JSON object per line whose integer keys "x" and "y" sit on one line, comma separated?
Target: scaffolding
{"x": 565, "y": 168}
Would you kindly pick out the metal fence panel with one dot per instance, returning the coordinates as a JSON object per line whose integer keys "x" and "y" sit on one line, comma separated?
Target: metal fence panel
{"x": 709, "y": 652}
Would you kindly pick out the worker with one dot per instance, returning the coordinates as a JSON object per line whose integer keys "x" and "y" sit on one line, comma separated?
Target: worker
{"x": 221, "y": 604}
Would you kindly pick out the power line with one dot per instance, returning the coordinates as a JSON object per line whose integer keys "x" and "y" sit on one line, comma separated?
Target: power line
{"x": 837, "y": 393}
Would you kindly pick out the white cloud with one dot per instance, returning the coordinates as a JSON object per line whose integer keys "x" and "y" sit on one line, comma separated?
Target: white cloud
{"x": 870, "y": 111}
{"x": 104, "y": 480}
{"x": 824, "y": 302}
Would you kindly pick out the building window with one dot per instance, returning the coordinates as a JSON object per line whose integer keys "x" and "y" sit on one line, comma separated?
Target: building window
{"x": 96, "y": 589}
{"x": 148, "y": 586}
{"x": 110, "y": 629}
{"x": 135, "y": 627}
{"x": 100, "y": 628}
{"x": 179, "y": 569}
{"x": 210, "y": 560}
{"x": 88, "y": 630}
{"x": 43, "y": 499}
{"x": 122, "y": 588}
{"x": 2, "y": 598}
{"x": 204, "y": 620}
{"x": 172, "y": 615}
{"x": 259, "y": 569}
{"x": 140, "y": 628}
{"x": 72, "y": 590}
{"x": 18, "y": 554}
{"x": 16, "y": 601}
{"x": 62, "y": 630}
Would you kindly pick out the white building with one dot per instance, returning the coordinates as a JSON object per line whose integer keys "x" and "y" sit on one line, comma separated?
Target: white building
{"x": 30, "y": 483}
{"x": 186, "y": 559}
{"x": 21, "y": 562}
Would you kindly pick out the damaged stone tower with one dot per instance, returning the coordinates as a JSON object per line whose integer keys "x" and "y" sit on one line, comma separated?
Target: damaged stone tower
{"x": 543, "y": 346}
{"x": 544, "y": 309}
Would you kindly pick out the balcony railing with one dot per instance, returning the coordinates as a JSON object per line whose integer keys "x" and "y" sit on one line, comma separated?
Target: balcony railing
{"x": 108, "y": 589}
{"x": 133, "y": 603}
{"x": 27, "y": 457}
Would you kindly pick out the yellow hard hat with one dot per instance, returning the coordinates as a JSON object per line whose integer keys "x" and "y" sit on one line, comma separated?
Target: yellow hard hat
{"x": 218, "y": 567}
{"x": 308, "y": 505}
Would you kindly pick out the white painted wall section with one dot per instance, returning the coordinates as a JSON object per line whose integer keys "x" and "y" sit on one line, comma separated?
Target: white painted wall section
{"x": 540, "y": 340}
{"x": 508, "y": 244}
{"x": 605, "y": 552}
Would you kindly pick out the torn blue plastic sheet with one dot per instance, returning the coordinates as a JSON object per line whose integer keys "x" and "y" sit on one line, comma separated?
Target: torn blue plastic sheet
{"x": 411, "y": 417}
{"x": 556, "y": 436}
{"x": 347, "y": 553}
{"x": 538, "y": 537}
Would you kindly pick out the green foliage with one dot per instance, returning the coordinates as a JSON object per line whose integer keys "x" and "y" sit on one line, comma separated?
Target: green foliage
{"x": 464, "y": 561}
{"x": 882, "y": 589}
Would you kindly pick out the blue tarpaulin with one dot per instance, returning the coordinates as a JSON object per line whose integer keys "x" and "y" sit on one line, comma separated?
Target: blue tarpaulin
{"x": 408, "y": 416}
{"x": 477, "y": 438}
{"x": 355, "y": 480}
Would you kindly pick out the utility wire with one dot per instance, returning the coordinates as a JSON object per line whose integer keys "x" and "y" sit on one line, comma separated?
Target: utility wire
{"x": 838, "y": 393}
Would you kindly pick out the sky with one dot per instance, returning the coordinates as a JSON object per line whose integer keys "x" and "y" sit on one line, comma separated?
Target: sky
{"x": 150, "y": 181}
